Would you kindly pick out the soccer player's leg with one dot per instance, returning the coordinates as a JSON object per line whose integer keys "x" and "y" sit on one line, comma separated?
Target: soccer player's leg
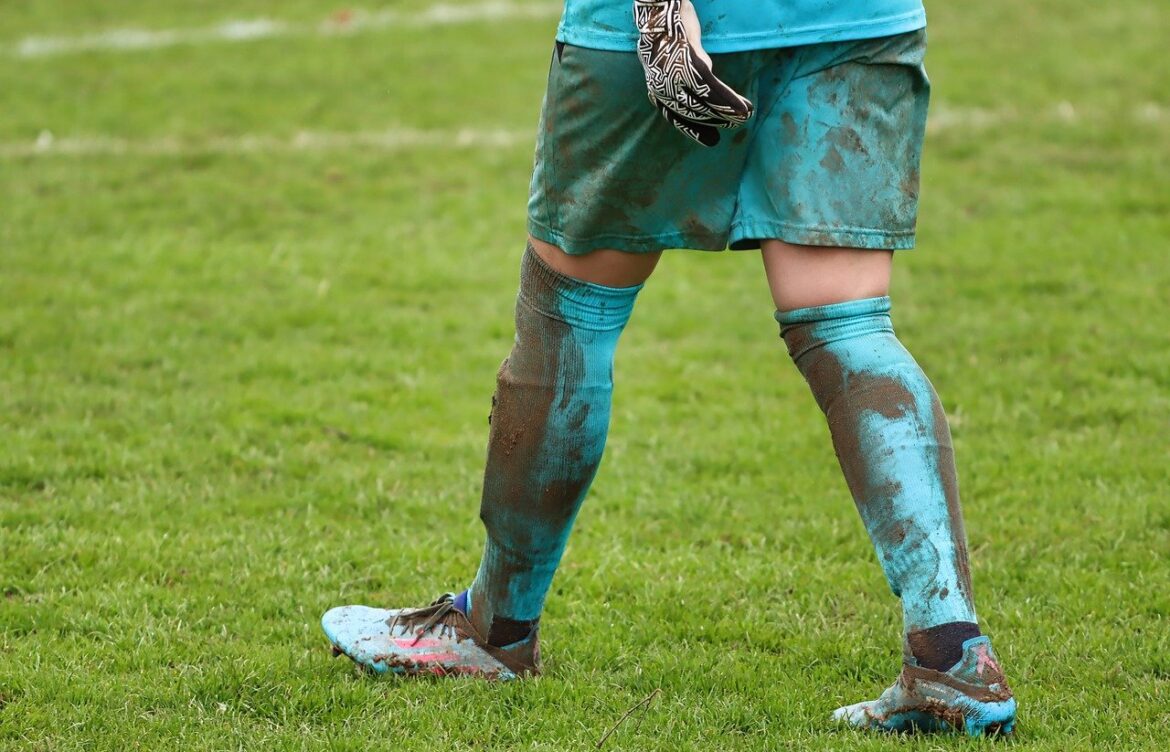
{"x": 835, "y": 187}
{"x": 549, "y": 421}
{"x": 613, "y": 185}
{"x": 894, "y": 447}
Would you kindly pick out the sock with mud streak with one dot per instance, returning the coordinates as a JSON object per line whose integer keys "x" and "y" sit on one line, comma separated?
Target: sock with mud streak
{"x": 894, "y": 446}
{"x": 550, "y": 417}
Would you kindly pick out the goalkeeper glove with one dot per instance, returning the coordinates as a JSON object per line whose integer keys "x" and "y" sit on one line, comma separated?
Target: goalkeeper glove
{"x": 678, "y": 72}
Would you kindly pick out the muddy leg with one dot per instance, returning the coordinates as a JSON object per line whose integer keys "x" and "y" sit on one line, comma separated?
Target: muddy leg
{"x": 891, "y": 438}
{"x": 550, "y": 417}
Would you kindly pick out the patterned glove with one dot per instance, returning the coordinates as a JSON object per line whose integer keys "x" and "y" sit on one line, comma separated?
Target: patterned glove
{"x": 678, "y": 72}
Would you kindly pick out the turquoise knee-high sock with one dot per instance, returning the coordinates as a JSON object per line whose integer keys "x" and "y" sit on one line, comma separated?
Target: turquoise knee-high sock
{"x": 550, "y": 417}
{"x": 894, "y": 447}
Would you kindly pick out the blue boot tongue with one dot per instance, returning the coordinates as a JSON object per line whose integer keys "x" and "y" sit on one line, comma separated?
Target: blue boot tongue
{"x": 462, "y": 603}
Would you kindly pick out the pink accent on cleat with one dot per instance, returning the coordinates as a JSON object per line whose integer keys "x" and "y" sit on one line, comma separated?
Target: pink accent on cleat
{"x": 418, "y": 642}
{"x": 984, "y": 660}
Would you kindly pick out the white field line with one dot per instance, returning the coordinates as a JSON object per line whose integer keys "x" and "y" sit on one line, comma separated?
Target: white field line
{"x": 340, "y": 23}
{"x": 396, "y": 139}
{"x": 1060, "y": 115}
{"x": 942, "y": 119}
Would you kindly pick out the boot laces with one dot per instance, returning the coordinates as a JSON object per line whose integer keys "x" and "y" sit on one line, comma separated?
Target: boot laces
{"x": 424, "y": 619}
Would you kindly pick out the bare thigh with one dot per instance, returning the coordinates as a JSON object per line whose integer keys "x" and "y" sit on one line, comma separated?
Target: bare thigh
{"x": 602, "y": 267}
{"x": 802, "y": 276}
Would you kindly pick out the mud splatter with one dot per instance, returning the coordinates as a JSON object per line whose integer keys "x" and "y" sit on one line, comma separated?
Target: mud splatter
{"x": 909, "y": 186}
{"x": 894, "y": 448}
{"x": 832, "y": 160}
{"x": 950, "y": 483}
{"x": 848, "y": 139}
{"x": 548, "y": 426}
{"x": 791, "y": 132}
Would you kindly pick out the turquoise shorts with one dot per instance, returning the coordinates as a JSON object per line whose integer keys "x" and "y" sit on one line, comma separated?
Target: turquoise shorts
{"x": 830, "y": 158}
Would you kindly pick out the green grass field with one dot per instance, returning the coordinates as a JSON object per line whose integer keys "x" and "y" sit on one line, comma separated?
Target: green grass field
{"x": 252, "y": 299}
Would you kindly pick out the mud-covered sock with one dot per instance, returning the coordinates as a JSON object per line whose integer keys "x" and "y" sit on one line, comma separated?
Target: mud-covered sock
{"x": 894, "y": 446}
{"x": 941, "y": 647}
{"x": 506, "y": 631}
{"x": 503, "y": 631}
{"x": 549, "y": 420}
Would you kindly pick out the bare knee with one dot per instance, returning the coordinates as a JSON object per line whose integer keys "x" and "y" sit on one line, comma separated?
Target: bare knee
{"x": 803, "y": 276}
{"x": 601, "y": 267}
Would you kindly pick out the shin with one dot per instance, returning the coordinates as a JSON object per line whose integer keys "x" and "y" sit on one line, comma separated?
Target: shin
{"x": 550, "y": 417}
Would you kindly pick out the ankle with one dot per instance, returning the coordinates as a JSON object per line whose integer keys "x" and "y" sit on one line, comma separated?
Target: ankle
{"x": 499, "y": 631}
{"x": 941, "y": 647}
{"x": 506, "y": 632}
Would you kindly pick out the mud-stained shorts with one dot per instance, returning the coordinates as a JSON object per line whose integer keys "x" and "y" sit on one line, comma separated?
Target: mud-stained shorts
{"x": 830, "y": 158}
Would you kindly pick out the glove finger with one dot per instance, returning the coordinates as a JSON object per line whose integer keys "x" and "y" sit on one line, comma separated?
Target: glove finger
{"x": 697, "y": 94}
{"x": 719, "y": 115}
{"x": 723, "y": 102}
{"x": 688, "y": 107}
{"x": 677, "y": 74}
{"x": 692, "y": 106}
{"x": 722, "y": 99}
{"x": 699, "y": 132}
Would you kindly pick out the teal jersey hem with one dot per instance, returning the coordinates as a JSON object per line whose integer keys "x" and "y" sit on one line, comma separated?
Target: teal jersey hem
{"x": 619, "y": 41}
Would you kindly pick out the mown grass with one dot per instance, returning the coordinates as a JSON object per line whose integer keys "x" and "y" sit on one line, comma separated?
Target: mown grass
{"x": 237, "y": 389}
